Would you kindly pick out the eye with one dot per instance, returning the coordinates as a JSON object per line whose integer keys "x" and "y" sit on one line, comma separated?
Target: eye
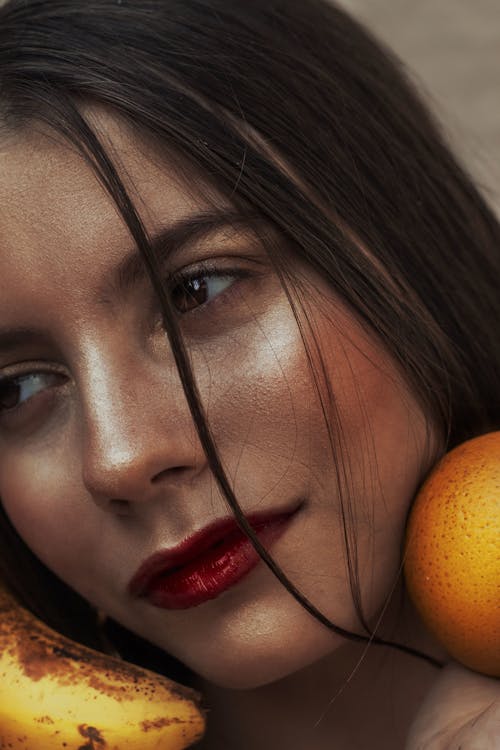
{"x": 196, "y": 289}
{"x": 16, "y": 391}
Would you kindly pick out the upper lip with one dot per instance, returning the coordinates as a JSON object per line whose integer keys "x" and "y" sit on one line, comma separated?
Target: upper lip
{"x": 165, "y": 561}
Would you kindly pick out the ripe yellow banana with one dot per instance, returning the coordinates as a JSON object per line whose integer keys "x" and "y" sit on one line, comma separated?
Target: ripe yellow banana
{"x": 55, "y": 693}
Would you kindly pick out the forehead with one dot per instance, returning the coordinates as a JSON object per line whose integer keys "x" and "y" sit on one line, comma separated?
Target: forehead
{"x": 53, "y": 210}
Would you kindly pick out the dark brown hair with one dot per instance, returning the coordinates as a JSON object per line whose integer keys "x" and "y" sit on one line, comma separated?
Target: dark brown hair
{"x": 238, "y": 90}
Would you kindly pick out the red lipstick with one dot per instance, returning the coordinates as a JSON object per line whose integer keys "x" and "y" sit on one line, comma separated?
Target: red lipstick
{"x": 206, "y": 564}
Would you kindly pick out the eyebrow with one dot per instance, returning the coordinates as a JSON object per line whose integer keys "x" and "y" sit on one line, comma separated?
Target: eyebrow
{"x": 166, "y": 242}
{"x": 132, "y": 269}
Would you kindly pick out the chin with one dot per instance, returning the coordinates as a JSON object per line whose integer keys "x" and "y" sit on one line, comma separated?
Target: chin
{"x": 248, "y": 666}
{"x": 245, "y": 678}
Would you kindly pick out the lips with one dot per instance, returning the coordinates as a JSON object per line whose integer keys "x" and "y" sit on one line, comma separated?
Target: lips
{"x": 206, "y": 564}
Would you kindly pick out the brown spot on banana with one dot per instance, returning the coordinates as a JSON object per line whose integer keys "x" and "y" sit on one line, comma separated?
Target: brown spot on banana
{"x": 96, "y": 741}
{"x": 158, "y": 723}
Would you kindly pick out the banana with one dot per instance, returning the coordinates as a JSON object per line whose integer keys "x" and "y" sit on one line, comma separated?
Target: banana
{"x": 56, "y": 693}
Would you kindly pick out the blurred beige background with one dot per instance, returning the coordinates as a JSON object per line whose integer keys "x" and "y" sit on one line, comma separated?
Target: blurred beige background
{"x": 452, "y": 47}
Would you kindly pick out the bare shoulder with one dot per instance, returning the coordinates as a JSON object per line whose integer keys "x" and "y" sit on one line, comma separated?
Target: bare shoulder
{"x": 461, "y": 712}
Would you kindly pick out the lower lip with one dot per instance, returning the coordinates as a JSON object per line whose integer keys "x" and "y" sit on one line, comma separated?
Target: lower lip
{"x": 221, "y": 567}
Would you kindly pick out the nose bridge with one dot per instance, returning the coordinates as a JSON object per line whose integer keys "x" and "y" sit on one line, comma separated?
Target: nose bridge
{"x": 137, "y": 428}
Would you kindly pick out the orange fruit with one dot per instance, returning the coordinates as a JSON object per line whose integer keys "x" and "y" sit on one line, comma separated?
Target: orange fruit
{"x": 452, "y": 553}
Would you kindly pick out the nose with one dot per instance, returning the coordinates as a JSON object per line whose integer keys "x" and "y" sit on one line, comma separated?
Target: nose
{"x": 139, "y": 439}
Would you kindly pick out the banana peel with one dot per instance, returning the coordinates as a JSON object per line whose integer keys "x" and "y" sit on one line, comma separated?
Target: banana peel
{"x": 56, "y": 693}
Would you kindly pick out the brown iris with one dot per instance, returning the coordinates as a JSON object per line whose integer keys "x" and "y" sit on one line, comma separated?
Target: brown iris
{"x": 189, "y": 294}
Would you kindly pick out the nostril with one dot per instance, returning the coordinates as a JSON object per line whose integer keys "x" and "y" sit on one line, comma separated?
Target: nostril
{"x": 173, "y": 472}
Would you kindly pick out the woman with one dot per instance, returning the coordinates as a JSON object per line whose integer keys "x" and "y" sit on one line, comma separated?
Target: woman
{"x": 258, "y": 181}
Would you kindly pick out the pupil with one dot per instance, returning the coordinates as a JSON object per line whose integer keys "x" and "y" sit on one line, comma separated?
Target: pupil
{"x": 9, "y": 395}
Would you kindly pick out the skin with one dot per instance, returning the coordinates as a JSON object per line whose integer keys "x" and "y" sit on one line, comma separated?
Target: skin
{"x": 105, "y": 468}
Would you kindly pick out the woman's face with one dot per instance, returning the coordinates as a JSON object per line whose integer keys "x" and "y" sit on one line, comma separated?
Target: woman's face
{"x": 100, "y": 465}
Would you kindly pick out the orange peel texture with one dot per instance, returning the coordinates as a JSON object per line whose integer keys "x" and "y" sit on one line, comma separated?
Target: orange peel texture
{"x": 452, "y": 553}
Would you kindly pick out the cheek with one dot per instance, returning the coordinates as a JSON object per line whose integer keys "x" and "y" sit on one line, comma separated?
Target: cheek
{"x": 382, "y": 447}
{"x": 262, "y": 407}
{"x": 45, "y": 503}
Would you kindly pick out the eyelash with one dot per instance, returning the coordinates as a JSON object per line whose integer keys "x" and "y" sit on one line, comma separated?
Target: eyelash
{"x": 205, "y": 271}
